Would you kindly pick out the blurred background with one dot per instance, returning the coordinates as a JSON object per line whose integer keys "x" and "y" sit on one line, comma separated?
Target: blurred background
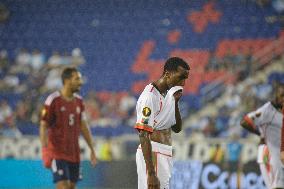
{"x": 235, "y": 51}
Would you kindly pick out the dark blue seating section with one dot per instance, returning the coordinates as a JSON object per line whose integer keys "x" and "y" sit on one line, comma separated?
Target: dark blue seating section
{"x": 276, "y": 76}
{"x": 110, "y": 34}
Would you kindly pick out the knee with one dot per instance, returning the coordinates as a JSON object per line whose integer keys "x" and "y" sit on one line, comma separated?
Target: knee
{"x": 63, "y": 185}
{"x": 72, "y": 185}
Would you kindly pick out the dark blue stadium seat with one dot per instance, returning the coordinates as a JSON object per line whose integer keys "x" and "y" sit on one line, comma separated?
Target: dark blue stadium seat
{"x": 276, "y": 77}
{"x": 111, "y": 46}
{"x": 28, "y": 128}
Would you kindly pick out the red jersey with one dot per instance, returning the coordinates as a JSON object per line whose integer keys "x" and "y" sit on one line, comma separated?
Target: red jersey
{"x": 64, "y": 119}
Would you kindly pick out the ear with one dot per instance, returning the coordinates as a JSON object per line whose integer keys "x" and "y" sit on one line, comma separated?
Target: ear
{"x": 167, "y": 74}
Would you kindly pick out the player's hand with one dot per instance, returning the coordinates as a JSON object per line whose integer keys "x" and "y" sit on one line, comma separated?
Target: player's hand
{"x": 153, "y": 182}
{"x": 177, "y": 95}
{"x": 262, "y": 141}
{"x": 46, "y": 157}
{"x": 93, "y": 158}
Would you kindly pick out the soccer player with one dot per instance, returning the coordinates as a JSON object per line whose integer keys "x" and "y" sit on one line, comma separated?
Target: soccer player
{"x": 267, "y": 122}
{"x": 157, "y": 114}
{"x": 62, "y": 120}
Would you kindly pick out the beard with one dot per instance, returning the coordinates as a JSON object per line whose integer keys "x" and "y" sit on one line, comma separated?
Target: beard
{"x": 76, "y": 89}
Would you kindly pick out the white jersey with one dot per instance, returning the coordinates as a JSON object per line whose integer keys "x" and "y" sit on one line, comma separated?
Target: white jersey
{"x": 268, "y": 120}
{"x": 155, "y": 111}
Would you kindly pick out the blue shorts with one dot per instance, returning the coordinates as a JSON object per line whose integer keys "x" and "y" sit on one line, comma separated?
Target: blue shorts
{"x": 65, "y": 170}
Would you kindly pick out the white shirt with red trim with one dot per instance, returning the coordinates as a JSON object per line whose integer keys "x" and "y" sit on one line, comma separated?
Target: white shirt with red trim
{"x": 268, "y": 120}
{"x": 155, "y": 111}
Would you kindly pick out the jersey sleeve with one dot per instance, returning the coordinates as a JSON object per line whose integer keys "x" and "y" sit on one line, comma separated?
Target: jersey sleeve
{"x": 145, "y": 115}
{"x": 257, "y": 118}
{"x": 48, "y": 113}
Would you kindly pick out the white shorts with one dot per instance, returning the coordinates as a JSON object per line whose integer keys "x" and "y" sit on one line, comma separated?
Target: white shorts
{"x": 272, "y": 169}
{"x": 162, "y": 155}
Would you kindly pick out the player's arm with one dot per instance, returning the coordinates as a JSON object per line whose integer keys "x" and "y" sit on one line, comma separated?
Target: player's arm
{"x": 178, "y": 126}
{"x": 87, "y": 135}
{"x": 89, "y": 140}
{"x": 46, "y": 156}
{"x": 248, "y": 124}
{"x": 146, "y": 146}
{"x": 43, "y": 133}
{"x": 45, "y": 121}
{"x": 144, "y": 125}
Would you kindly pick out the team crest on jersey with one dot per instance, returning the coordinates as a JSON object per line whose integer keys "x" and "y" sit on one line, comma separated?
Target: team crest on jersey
{"x": 78, "y": 109}
{"x": 62, "y": 109}
{"x": 146, "y": 111}
{"x": 258, "y": 114}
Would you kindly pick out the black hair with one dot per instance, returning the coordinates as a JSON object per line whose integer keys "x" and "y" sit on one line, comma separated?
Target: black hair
{"x": 173, "y": 63}
{"x": 276, "y": 85}
{"x": 67, "y": 73}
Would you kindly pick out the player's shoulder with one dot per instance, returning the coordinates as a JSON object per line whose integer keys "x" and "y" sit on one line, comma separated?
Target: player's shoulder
{"x": 77, "y": 96}
{"x": 150, "y": 90}
{"x": 263, "y": 110}
{"x": 266, "y": 106}
{"x": 52, "y": 97}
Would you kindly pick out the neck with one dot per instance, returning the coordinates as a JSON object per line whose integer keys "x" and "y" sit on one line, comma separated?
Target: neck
{"x": 66, "y": 93}
{"x": 162, "y": 85}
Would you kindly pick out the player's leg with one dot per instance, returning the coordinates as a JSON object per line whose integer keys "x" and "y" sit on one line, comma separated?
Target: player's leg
{"x": 74, "y": 174}
{"x": 265, "y": 175}
{"x": 164, "y": 169}
{"x": 277, "y": 173}
{"x": 63, "y": 184}
{"x": 141, "y": 170}
{"x": 60, "y": 174}
{"x": 278, "y": 182}
{"x": 72, "y": 185}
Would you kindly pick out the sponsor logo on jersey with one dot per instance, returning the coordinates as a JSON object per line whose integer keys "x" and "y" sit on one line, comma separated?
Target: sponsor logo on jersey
{"x": 258, "y": 114}
{"x": 62, "y": 109}
{"x": 78, "y": 109}
{"x": 146, "y": 111}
